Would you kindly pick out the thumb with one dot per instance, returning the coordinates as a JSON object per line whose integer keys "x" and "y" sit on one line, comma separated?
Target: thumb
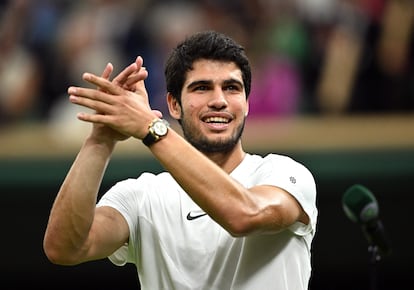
{"x": 157, "y": 113}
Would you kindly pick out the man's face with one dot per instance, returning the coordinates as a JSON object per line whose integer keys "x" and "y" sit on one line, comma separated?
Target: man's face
{"x": 213, "y": 106}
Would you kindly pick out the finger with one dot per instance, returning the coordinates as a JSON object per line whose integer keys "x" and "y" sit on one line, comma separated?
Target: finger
{"x": 122, "y": 77}
{"x": 106, "y": 120}
{"x": 157, "y": 113}
{"x": 139, "y": 61}
{"x": 107, "y": 71}
{"x": 93, "y": 118}
{"x": 98, "y": 106}
{"x": 91, "y": 98}
{"x": 133, "y": 79}
{"x": 103, "y": 84}
{"x": 140, "y": 87}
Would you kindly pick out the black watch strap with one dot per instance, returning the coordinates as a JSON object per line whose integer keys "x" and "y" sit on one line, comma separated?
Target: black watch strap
{"x": 149, "y": 139}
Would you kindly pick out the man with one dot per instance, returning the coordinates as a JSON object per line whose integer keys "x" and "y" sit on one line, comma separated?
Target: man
{"x": 218, "y": 218}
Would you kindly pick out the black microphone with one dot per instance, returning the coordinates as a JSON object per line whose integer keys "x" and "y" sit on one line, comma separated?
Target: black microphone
{"x": 361, "y": 207}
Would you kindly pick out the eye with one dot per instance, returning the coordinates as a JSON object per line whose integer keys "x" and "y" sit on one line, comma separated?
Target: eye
{"x": 232, "y": 88}
{"x": 201, "y": 88}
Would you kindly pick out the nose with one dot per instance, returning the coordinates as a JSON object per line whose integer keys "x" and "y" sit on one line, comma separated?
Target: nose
{"x": 218, "y": 99}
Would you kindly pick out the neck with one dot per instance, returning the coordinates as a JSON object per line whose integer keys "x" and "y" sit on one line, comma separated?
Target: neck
{"x": 229, "y": 160}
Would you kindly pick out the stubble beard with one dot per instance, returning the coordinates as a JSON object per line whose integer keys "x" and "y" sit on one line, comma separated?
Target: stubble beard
{"x": 205, "y": 145}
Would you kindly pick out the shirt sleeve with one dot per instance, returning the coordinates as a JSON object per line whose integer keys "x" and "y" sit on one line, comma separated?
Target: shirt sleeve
{"x": 295, "y": 178}
{"x": 127, "y": 197}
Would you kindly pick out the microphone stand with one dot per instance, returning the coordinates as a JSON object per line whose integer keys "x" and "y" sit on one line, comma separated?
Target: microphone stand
{"x": 374, "y": 258}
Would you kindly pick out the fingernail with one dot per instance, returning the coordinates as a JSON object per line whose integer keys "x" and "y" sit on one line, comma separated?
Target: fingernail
{"x": 72, "y": 90}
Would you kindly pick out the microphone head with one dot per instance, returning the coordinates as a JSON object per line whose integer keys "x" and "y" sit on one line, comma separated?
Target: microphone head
{"x": 359, "y": 204}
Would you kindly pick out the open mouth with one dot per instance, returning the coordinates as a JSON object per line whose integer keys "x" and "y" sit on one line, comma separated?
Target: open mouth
{"x": 217, "y": 120}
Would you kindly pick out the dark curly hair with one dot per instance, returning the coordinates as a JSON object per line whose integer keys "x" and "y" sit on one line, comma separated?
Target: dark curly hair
{"x": 209, "y": 45}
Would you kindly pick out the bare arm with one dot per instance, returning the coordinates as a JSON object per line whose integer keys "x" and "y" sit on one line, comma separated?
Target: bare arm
{"x": 241, "y": 211}
{"x": 74, "y": 227}
{"x": 76, "y": 231}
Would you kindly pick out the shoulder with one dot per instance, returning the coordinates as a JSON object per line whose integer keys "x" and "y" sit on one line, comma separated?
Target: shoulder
{"x": 274, "y": 169}
{"x": 296, "y": 172}
{"x": 279, "y": 158}
{"x": 139, "y": 188}
{"x": 285, "y": 162}
{"x": 145, "y": 179}
{"x": 285, "y": 172}
{"x": 278, "y": 162}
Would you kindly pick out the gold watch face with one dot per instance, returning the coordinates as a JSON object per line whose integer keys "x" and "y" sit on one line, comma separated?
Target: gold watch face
{"x": 160, "y": 128}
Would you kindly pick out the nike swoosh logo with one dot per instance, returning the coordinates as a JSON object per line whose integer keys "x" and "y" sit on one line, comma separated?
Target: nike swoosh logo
{"x": 192, "y": 216}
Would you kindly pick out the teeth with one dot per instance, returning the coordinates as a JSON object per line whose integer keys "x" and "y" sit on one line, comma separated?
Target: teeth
{"x": 216, "y": 120}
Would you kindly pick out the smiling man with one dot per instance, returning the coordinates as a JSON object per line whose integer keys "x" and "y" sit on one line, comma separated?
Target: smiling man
{"x": 218, "y": 217}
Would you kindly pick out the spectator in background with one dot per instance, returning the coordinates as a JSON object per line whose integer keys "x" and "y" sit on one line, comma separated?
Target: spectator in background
{"x": 166, "y": 25}
{"x": 385, "y": 80}
{"x": 344, "y": 65}
{"x": 20, "y": 77}
{"x": 279, "y": 52}
{"x": 90, "y": 32}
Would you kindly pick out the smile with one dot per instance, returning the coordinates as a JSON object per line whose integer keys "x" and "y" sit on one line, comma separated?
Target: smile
{"x": 220, "y": 120}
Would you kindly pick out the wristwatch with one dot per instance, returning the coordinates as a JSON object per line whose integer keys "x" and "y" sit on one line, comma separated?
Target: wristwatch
{"x": 158, "y": 128}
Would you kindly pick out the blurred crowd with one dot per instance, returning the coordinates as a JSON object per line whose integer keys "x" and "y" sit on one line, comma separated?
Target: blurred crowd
{"x": 308, "y": 57}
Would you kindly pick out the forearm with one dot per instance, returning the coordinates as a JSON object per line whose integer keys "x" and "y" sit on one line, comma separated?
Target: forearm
{"x": 72, "y": 213}
{"x": 222, "y": 197}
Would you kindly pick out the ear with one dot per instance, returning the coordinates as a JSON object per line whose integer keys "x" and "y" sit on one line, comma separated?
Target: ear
{"x": 247, "y": 108}
{"x": 173, "y": 106}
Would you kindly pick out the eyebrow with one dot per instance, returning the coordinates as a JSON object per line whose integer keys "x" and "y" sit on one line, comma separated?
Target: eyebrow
{"x": 233, "y": 81}
{"x": 209, "y": 82}
{"x": 198, "y": 83}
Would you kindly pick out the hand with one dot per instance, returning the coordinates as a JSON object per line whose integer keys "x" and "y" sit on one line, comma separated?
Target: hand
{"x": 126, "y": 79}
{"x": 119, "y": 112}
{"x": 129, "y": 77}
